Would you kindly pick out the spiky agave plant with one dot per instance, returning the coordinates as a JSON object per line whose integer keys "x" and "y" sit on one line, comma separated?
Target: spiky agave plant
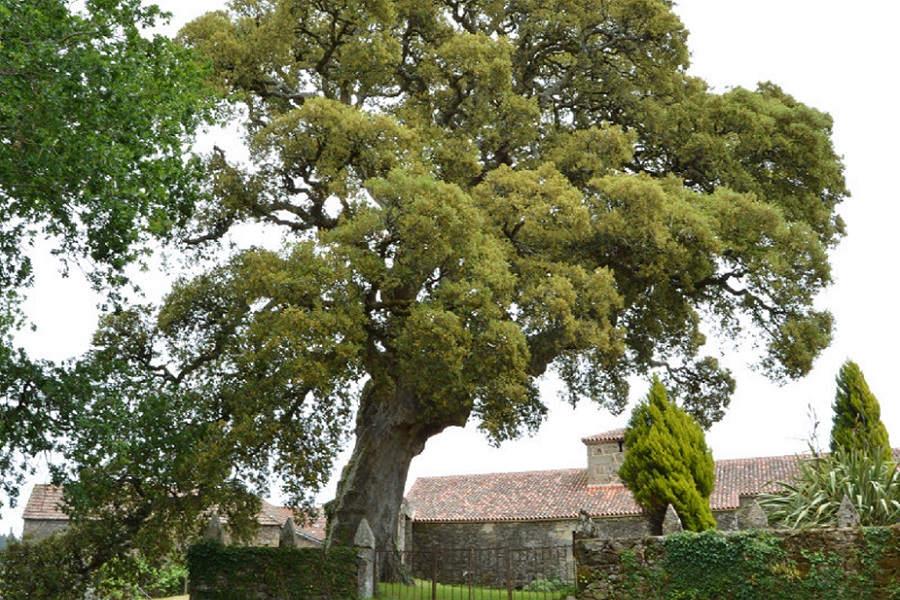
{"x": 813, "y": 496}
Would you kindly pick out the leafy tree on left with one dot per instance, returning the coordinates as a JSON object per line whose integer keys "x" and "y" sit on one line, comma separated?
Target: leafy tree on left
{"x": 95, "y": 118}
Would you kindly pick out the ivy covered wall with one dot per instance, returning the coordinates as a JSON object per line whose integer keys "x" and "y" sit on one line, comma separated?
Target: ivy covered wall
{"x": 862, "y": 563}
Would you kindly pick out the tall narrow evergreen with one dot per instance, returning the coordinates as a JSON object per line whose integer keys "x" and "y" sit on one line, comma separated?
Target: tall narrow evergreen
{"x": 667, "y": 462}
{"x": 857, "y": 415}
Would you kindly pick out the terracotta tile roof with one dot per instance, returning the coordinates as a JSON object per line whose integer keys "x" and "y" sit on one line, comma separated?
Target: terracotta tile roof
{"x": 562, "y": 494}
{"x": 615, "y": 435}
{"x": 750, "y": 477}
{"x": 45, "y": 504}
{"x": 516, "y": 497}
{"x": 314, "y": 529}
{"x": 273, "y": 515}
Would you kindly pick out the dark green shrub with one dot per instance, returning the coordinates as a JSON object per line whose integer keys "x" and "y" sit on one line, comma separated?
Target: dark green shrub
{"x": 218, "y": 572}
{"x": 53, "y": 568}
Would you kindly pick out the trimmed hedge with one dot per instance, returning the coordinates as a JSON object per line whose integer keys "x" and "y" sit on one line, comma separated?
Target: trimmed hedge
{"x": 218, "y": 572}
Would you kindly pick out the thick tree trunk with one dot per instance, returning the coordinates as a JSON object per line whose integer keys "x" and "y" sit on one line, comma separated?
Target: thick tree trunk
{"x": 390, "y": 432}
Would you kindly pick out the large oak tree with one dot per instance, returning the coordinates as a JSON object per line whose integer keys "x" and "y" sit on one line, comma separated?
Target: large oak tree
{"x": 470, "y": 193}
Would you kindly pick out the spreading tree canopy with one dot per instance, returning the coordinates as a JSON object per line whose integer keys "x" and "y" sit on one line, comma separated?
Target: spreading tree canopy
{"x": 95, "y": 117}
{"x": 667, "y": 462}
{"x": 857, "y": 415}
{"x": 469, "y": 193}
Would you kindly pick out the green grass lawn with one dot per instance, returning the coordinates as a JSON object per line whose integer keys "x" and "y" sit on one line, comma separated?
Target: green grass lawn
{"x": 422, "y": 591}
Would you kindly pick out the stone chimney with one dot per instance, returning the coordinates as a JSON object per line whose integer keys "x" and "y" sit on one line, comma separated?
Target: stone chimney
{"x": 605, "y": 454}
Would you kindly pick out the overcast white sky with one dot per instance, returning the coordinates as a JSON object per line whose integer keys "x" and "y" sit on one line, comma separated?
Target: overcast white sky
{"x": 839, "y": 58}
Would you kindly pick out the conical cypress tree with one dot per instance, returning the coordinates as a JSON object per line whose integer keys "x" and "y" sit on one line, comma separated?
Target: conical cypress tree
{"x": 857, "y": 415}
{"x": 667, "y": 462}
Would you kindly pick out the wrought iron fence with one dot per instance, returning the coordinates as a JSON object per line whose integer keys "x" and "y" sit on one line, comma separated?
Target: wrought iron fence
{"x": 544, "y": 573}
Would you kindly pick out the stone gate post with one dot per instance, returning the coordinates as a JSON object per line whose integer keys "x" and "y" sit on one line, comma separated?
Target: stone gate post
{"x": 364, "y": 541}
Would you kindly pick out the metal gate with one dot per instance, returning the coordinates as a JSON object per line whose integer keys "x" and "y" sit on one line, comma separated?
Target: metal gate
{"x": 544, "y": 573}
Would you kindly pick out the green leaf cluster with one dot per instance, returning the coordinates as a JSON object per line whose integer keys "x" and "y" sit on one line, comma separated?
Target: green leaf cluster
{"x": 813, "y": 496}
{"x": 24, "y": 568}
{"x": 95, "y": 117}
{"x": 857, "y": 415}
{"x": 220, "y": 572}
{"x": 718, "y": 566}
{"x": 860, "y": 467}
{"x": 62, "y": 566}
{"x": 133, "y": 576}
{"x": 667, "y": 462}
{"x": 66, "y": 565}
{"x": 615, "y": 202}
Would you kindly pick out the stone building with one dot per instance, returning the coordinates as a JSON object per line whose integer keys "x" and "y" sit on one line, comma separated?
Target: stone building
{"x": 517, "y": 510}
{"x": 541, "y": 508}
{"x": 43, "y": 515}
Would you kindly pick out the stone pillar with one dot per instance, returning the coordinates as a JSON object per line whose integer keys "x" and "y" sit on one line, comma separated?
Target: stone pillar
{"x": 587, "y": 529}
{"x": 847, "y": 515}
{"x": 671, "y": 523}
{"x": 365, "y": 561}
{"x": 604, "y": 458}
{"x": 214, "y": 531}
{"x": 755, "y": 517}
{"x": 288, "y": 536}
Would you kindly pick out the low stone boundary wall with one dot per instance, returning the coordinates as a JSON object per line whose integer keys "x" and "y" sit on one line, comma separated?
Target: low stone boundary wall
{"x": 827, "y": 563}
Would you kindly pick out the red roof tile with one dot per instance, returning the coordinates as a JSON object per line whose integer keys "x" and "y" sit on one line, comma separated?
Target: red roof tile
{"x": 516, "y": 497}
{"x": 562, "y": 494}
{"x": 750, "y": 477}
{"x": 615, "y": 435}
{"x": 45, "y": 504}
{"x": 314, "y": 529}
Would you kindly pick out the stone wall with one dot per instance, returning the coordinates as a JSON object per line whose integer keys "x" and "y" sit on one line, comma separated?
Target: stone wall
{"x": 493, "y": 567}
{"x": 270, "y": 535}
{"x": 35, "y": 529}
{"x": 622, "y": 527}
{"x": 604, "y": 460}
{"x": 820, "y": 563}
{"x": 489, "y": 554}
{"x": 726, "y": 520}
{"x": 518, "y": 534}
{"x": 501, "y": 534}
{"x": 453, "y": 552}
